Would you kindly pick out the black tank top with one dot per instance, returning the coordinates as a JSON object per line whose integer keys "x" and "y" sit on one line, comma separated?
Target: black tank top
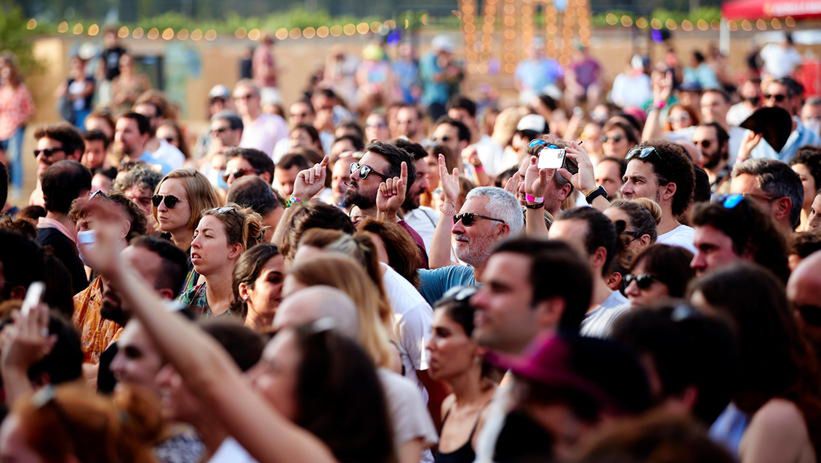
{"x": 464, "y": 454}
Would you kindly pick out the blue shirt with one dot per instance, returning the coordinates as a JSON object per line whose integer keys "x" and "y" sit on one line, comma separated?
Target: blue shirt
{"x": 433, "y": 284}
{"x": 433, "y": 91}
{"x": 536, "y": 74}
{"x": 799, "y": 137}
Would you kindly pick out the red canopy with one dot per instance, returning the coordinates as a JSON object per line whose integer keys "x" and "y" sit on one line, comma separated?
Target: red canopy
{"x": 754, "y": 9}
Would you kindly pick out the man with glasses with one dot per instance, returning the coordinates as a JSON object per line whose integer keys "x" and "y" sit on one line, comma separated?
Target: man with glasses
{"x": 787, "y": 94}
{"x": 226, "y": 131}
{"x": 451, "y": 133}
{"x": 247, "y": 161}
{"x": 54, "y": 143}
{"x": 261, "y": 131}
{"x": 663, "y": 172}
{"x": 733, "y": 228}
{"x": 713, "y": 141}
{"x": 774, "y": 187}
{"x": 488, "y": 216}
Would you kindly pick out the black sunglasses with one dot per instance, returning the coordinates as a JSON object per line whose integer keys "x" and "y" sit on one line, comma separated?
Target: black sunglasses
{"x": 615, "y": 138}
{"x": 237, "y": 174}
{"x": 365, "y": 170}
{"x": 778, "y": 97}
{"x": 703, "y": 143}
{"x": 469, "y": 218}
{"x": 643, "y": 281}
{"x": 47, "y": 152}
{"x": 170, "y": 200}
{"x": 642, "y": 153}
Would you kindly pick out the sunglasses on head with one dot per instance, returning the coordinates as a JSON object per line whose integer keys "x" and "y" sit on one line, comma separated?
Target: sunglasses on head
{"x": 458, "y": 294}
{"x": 47, "y": 152}
{"x": 642, "y": 153}
{"x": 365, "y": 170}
{"x": 469, "y": 218}
{"x": 614, "y": 138}
{"x": 778, "y": 97}
{"x": 643, "y": 281}
{"x": 170, "y": 200}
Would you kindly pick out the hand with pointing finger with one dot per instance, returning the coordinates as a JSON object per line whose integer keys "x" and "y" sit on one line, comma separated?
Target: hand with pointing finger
{"x": 310, "y": 181}
{"x": 391, "y": 195}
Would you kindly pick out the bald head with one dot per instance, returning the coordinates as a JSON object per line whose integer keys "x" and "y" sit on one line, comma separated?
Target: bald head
{"x": 309, "y": 304}
{"x": 804, "y": 286}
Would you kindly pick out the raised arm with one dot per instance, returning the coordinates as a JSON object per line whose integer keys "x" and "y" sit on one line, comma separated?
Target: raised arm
{"x": 439, "y": 254}
{"x": 205, "y": 367}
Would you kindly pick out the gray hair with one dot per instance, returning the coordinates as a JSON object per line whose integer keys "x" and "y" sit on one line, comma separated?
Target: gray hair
{"x": 501, "y": 205}
{"x": 777, "y": 179}
{"x": 139, "y": 175}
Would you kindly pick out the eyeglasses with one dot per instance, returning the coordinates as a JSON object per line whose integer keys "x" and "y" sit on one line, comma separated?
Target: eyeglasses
{"x": 170, "y": 200}
{"x": 237, "y": 174}
{"x": 378, "y": 125}
{"x": 643, "y": 281}
{"x": 614, "y": 138}
{"x": 48, "y": 152}
{"x": 642, "y": 153}
{"x": 470, "y": 218}
{"x": 706, "y": 144}
{"x": 443, "y": 139}
{"x": 364, "y": 171}
{"x": 778, "y": 97}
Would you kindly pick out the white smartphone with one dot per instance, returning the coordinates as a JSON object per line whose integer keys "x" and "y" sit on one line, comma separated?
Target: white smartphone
{"x": 33, "y": 296}
{"x": 551, "y": 158}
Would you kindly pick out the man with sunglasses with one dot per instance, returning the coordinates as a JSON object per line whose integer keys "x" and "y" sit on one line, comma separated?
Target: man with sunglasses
{"x": 713, "y": 141}
{"x": 774, "y": 187}
{"x": 54, "y": 143}
{"x": 488, "y": 216}
{"x": 243, "y": 162}
{"x": 785, "y": 93}
{"x": 661, "y": 171}
{"x": 225, "y": 131}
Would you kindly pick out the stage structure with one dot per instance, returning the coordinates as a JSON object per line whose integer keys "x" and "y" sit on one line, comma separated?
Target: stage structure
{"x": 497, "y": 40}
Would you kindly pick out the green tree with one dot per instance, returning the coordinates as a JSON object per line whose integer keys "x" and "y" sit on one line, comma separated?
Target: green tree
{"x": 15, "y": 36}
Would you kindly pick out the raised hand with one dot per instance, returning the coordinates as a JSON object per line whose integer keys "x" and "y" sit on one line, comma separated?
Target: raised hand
{"x": 535, "y": 180}
{"x": 26, "y": 341}
{"x": 750, "y": 141}
{"x": 662, "y": 88}
{"x": 310, "y": 181}
{"x": 391, "y": 194}
{"x": 585, "y": 179}
{"x": 449, "y": 181}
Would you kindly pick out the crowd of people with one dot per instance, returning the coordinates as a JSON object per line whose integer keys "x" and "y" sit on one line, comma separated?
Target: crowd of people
{"x": 388, "y": 270}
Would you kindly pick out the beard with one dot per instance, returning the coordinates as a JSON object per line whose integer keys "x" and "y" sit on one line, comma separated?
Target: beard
{"x": 713, "y": 160}
{"x": 354, "y": 198}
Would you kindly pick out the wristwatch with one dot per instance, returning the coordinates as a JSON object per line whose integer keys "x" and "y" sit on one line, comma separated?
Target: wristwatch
{"x": 600, "y": 191}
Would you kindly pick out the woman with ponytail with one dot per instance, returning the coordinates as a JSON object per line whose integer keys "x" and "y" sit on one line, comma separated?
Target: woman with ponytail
{"x": 220, "y": 238}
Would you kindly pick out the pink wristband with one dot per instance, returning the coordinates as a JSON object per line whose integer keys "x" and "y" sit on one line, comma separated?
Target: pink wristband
{"x": 534, "y": 199}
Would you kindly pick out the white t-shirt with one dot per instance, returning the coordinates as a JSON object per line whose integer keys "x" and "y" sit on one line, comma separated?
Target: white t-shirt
{"x": 423, "y": 220}
{"x": 779, "y": 61}
{"x": 495, "y": 159}
{"x": 231, "y": 452}
{"x": 408, "y": 413}
{"x": 598, "y": 323}
{"x": 631, "y": 90}
{"x": 263, "y": 133}
{"x": 681, "y": 236}
{"x": 170, "y": 155}
{"x": 412, "y": 316}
